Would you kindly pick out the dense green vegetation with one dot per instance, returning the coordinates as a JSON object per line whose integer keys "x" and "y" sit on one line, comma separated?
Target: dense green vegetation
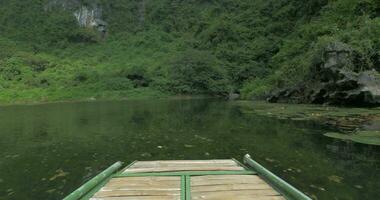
{"x": 157, "y": 48}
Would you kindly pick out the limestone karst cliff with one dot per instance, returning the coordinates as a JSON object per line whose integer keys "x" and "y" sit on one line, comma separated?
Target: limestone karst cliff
{"x": 89, "y": 15}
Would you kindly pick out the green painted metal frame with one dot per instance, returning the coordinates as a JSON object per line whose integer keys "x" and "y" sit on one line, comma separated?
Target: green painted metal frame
{"x": 183, "y": 187}
{"x": 94, "y": 182}
{"x": 96, "y": 189}
{"x": 242, "y": 165}
{"x": 188, "y": 187}
{"x": 87, "y": 190}
{"x": 128, "y": 166}
{"x": 289, "y": 192}
{"x": 186, "y": 177}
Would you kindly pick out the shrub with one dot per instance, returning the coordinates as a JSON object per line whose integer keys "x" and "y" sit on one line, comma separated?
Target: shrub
{"x": 84, "y": 75}
{"x": 197, "y": 72}
{"x": 80, "y": 77}
{"x": 258, "y": 88}
{"x": 84, "y": 35}
{"x": 137, "y": 75}
{"x": 117, "y": 83}
{"x": 11, "y": 69}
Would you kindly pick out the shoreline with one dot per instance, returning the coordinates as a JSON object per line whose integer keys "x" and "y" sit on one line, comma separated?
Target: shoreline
{"x": 93, "y": 99}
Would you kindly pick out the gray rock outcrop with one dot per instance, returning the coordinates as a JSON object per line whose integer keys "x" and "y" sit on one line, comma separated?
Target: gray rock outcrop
{"x": 89, "y": 15}
{"x": 335, "y": 82}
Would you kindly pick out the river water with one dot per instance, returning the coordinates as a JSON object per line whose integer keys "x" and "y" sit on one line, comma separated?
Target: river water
{"x": 46, "y": 151}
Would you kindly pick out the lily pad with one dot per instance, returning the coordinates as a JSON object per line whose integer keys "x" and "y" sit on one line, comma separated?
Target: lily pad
{"x": 363, "y": 137}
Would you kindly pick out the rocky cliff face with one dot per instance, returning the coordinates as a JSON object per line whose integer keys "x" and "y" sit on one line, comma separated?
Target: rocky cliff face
{"x": 335, "y": 82}
{"x": 89, "y": 15}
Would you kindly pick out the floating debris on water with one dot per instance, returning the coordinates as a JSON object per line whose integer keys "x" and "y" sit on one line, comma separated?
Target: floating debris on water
{"x": 203, "y": 138}
{"x": 358, "y": 186}
{"x": 336, "y": 179}
{"x": 50, "y": 191}
{"x": 146, "y": 154}
{"x": 10, "y": 192}
{"x": 189, "y": 146}
{"x": 292, "y": 170}
{"x": 316, "y": 187}
{"x": 12, "y": 156}
{"x": 60, "y": 173}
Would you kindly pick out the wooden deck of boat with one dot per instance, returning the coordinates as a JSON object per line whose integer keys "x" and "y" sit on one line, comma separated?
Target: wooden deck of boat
{"x": 142, "y": 181}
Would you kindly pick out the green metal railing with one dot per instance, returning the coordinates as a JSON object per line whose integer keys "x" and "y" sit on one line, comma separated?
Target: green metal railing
{"x": 285, "y": 188}
{"x": 98, "y": 181}
{"x": 84, "y": 189}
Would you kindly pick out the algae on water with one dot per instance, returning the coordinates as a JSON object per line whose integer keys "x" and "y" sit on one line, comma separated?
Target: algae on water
{"x": 363, "y": 137}
{"x": 347, "y": 120}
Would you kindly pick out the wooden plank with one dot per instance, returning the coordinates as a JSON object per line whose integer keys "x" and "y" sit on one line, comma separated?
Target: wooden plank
{"x": 232, "y": 187}
{"x": 152, "y": 178}
{"x": 139, "y": 165}
{"x": 122, "y": 185}
{"x": 156, "y": 186}
{"x": 201, "y": 187}
{"x": 186, "y": 173}
{"x": 154, "y": 164}
{"x": 227, "y": 177}
{"x": 184, "y": 165}
{"x": 224, "y": 196}
{"x": 228, "y": 161}
{"x": 224, "y": 177}
{"x": 236, "y": 187}
{"x": 217, "y": 182}
{"x": 190, "y": 168}
{"x": 147, "y": 180}
{"x": 136, "y": 187}
{"x": 146, "y": 192}
{"x": 131, "y": 182}
{"x": 139, "y": 198}
{"x": 235, "y": 195}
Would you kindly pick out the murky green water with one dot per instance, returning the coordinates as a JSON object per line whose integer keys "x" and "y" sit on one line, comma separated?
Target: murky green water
{"x": 49, "y": 150}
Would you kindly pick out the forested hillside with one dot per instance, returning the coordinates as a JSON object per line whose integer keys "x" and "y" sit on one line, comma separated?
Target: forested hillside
{"x": 165, "y": 47}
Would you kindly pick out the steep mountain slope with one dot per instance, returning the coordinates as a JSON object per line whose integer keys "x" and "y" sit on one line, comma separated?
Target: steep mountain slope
{"x": 70, "y": 49}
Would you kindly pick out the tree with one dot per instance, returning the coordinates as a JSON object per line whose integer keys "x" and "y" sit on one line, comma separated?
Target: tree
{"x": 197, "y": 72}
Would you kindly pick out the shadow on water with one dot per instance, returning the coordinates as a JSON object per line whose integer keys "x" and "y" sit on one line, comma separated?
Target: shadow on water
{"x": 49, "y": 150}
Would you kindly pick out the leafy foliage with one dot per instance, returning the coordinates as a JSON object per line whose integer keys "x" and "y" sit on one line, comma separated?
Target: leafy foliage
{"x": 192, "y": 47}
{"x": 197, "y": 72}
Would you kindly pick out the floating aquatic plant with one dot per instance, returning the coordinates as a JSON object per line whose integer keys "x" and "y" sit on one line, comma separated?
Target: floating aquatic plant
{"x": 363, "y": 137}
